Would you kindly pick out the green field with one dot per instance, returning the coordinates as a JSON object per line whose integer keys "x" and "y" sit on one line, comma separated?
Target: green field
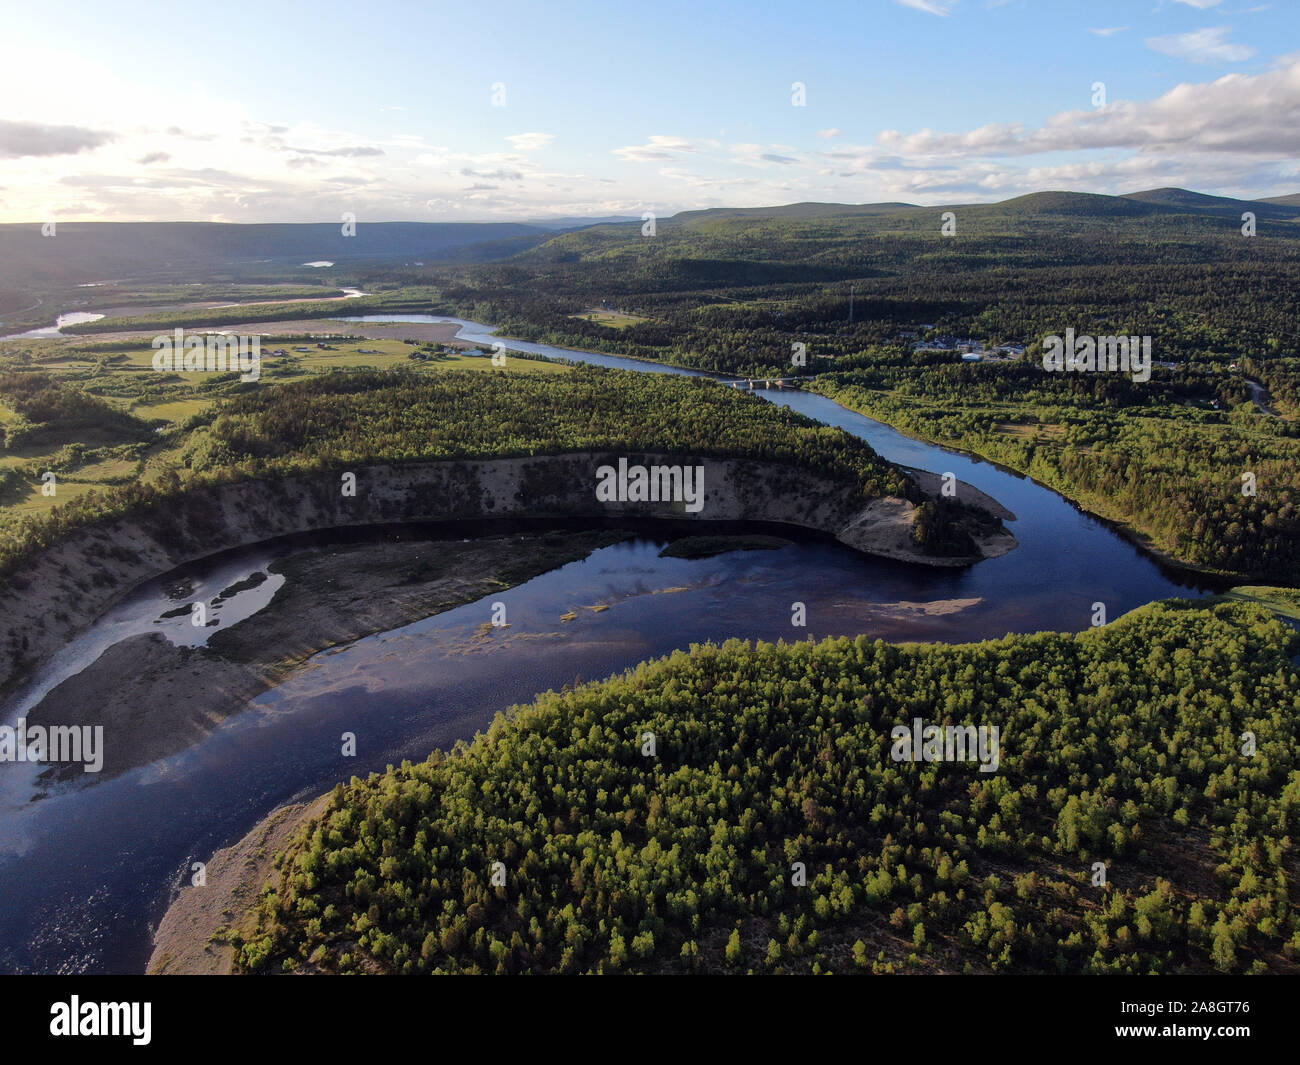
{"x": 339, "y": 354}
{"x": 1283, "y": 601}
{"x": 613, "y": 319}
{"x": 158, "y": 406}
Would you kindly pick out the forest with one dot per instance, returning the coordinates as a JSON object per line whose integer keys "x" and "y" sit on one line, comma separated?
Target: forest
{"x": 1156, "y": 456}
{"x": 736, "y": 809}
{"x": 403, "y": 416}
{"x": 731, "y": 291}
{"x": 337, "y": 419}
{"x": 47, "y": 410}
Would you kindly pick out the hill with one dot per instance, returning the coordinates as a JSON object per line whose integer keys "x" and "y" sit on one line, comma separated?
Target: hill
{"x": 1224, "y": 206}
{"x": 794, "y": 211}
{"x": 1068, "y": 204}
{"x": 578, "y": 222}
{"x": 1047, "y": 203}
{"x": 86, "y": 252}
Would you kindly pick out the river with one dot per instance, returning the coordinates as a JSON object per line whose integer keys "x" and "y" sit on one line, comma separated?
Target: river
{"x": 87, "y": 871}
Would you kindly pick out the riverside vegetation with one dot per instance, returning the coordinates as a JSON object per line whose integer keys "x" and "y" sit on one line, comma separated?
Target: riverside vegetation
{"x": 1122, "y": 746}
{"x": 1155, "y": 455}
{"x": 341, "y": 420}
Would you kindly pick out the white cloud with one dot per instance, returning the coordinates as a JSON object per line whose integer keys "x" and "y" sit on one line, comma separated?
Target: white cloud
{"x": 1237, "y": 113}
{"x": 1202, "y": 4}
{"x": 530, "y": 142}
{"x": 687, "y": 177}
{"x": 206, "y": 158}
{"x": 1109, "y": 32}
{"x": 657, "y": 148}
{"x": 761, "y": 156}
{"x": 933, "y": 7}
{"x": 34, "y": 139}
{"x": 1209, "y": 45}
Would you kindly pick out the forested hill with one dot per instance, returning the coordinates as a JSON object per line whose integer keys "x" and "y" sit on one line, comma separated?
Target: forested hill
{"x": 1123, "y": 751}
{"x": 337, "y": 419}
{"x": 730, "y": 289}
{"x": 88, "y": 252}
{"x": 1147, "y": 202}
{"x": 1158, "y": 208}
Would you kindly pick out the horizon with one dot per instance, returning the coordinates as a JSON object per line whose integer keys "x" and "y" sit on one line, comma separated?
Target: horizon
{"x": 467, "y": 113}
{"x": 539, "y": 220}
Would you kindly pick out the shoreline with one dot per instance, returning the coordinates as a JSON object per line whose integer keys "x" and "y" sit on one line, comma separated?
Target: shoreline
{"x": 125, "y": 550}
{"x": 1182, "y": 569}
{"x": 358, "y": 590}
{"x": 334, "y": 596}
{"x": 931, "y": 484}
{"x": 189, "y": 939}
{"x": 192, "y": 937}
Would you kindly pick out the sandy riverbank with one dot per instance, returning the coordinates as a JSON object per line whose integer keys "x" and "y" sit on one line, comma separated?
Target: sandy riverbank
{"x": 932, "y": 485}
{"x": 441, "y": 332}
{"x": 154, "y": 698}
{"x": 84, "y": 572}
{"x": 190, "y": 940}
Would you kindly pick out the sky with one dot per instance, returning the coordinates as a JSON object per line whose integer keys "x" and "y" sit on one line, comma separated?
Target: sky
{"x": 505, "y": 110}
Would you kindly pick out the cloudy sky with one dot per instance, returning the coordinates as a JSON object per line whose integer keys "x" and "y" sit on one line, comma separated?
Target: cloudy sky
{"x": 511, "y": 109}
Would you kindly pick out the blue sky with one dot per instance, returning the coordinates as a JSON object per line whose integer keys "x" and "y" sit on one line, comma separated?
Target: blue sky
{"x": 298, "y": 112}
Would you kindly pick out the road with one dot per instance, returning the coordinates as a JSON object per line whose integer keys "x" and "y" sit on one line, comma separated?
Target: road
{"x": 1260, "y": 395}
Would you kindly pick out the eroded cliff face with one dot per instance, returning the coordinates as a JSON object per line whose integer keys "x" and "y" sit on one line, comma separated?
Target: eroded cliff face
{"x": 68, "y": 585}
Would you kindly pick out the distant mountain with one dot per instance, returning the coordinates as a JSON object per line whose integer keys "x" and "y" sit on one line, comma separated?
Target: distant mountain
{"x": 1052, "y": 203}
{"x": 794, "y": 211}
{"x": 1174, "y": 197}
{"x": 82, "y": 252}
{"x": 816, "y": 243}
{"x": 1076, "y": 204}
{"x": 577, "y": 222}
{"x": 1203, "y": 203}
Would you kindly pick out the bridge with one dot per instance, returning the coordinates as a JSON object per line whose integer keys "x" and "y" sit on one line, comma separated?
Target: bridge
{"x": 752, "y": 383}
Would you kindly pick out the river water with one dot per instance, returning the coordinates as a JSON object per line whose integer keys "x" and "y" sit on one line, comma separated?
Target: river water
{"x": 51, "y": 332}
{"x": 86, "y": 871}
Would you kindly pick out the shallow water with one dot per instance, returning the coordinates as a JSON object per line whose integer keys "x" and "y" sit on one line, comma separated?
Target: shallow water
{"x": 56, "y": 330}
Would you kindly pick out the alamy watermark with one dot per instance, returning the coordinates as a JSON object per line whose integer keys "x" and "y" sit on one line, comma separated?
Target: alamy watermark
{"x": 920, "y": 742}
{"x": 78, "y": 1018}
{"x": 1086, "y": 354}
{"x": 58, "y": 743}
{"x": 208, "y": 353}
{"x": 652, "y": 484}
